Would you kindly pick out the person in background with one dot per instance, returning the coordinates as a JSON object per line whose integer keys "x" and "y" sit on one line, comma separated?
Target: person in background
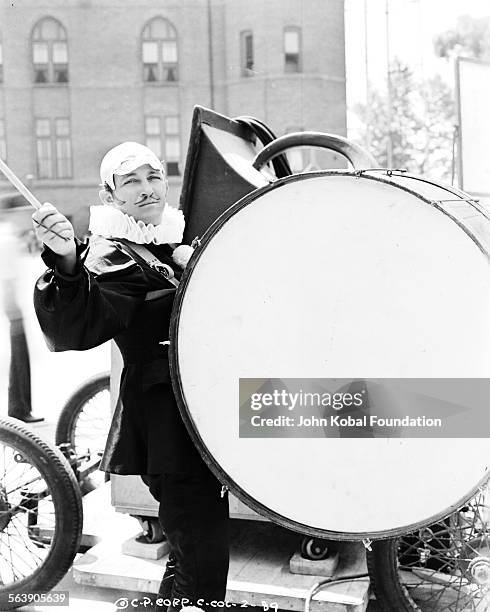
{"x": 106, "y": 290}
{"x": 19, "y": 385}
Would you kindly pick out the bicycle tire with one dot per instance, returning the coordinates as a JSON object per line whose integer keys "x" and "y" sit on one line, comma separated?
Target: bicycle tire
{"x": 444, "y": 567}
{"x": 69, "y": 422}
{"x": 57, "y": 475}
{"x": 66, "y": 427}
{"x": 382, "y": 562}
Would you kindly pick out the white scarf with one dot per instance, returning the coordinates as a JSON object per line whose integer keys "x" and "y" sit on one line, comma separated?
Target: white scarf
{"x": 109, "y": 222}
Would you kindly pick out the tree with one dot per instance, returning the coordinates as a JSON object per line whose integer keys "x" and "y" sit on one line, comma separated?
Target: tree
{"x": 470, "y": 38}
{"x": 422, "y": 123}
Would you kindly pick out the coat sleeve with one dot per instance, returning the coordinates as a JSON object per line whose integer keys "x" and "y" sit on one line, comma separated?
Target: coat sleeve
{"x": 81, "y": 311}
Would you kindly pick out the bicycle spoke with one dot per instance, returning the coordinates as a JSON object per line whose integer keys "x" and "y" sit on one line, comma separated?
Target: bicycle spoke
{"x": 92, "y": 424}
{"x": 12, "y": 565}
{"x": 22, "y": 486}
{"x": 27, "y": 541}
{"x": 443, "y": 566}
{"x": 39, "y": 501}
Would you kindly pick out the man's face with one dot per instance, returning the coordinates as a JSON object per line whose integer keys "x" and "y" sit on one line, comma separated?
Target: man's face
{"x": 141, "y": 194}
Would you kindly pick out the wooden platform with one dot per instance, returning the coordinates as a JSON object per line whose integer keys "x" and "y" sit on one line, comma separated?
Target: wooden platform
{"x": 102, "y": 522}
{"x": 259, "y": 565}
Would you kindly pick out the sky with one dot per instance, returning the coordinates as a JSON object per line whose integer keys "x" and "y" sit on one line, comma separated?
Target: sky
{"x": 412, "y": 26}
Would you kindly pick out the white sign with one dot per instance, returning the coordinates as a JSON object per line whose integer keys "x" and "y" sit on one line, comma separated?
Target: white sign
{"x": 473, "y": 94}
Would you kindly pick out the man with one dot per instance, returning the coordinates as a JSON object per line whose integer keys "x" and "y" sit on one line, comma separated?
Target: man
{"x": 107, "y": 291}
{"x": 19, "y": 386}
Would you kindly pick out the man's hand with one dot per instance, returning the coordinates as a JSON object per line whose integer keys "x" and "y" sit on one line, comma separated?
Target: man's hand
{"x": 57, "y": 233}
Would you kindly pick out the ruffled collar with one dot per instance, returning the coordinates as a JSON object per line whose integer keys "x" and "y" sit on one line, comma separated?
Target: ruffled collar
{"x": 109, "y": 222}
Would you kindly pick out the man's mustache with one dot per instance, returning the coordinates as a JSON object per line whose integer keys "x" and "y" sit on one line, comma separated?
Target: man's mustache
{"x": 146, "y": 200}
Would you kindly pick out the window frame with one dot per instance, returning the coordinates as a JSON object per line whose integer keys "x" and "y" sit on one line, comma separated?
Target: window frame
{"x": 176, "y": 137}
{"x": 162, "y": 68}
{"x": 53, "y": 69}
{"x": 172, "y": 166}
{"x": 154, "y": 135}
{"x": 54, "y": 140}
{"x": 299, "y": 54}
{"x": 246, "y": 70}
{"x": 61, "y": 139}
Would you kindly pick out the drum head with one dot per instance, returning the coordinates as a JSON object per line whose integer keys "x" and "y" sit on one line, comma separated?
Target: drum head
{"x": 331, "y": 275}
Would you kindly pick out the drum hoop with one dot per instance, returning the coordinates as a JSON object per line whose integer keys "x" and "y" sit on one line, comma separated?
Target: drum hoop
{"x": 436, "y": 203}
{"x": 210, "y": 461}
{"x": 465, "y": 197}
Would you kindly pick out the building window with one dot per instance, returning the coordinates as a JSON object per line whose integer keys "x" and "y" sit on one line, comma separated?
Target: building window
{"x": 53, "y": 146}
{"x": 165, "y": 143}
{"x": 292, "y": 49}
{"x": 49, "y": 52}
{"x": 3, "y": 142}
{"x": 247, "y": 53}
{"x": 63, "y": 148}
{"x": 1, "y": 63}
{"x": 172, "y": 145}
{"x": 153, "y": 135}
{"x": 159, "y": 52}
{"x": 44, "y": 150}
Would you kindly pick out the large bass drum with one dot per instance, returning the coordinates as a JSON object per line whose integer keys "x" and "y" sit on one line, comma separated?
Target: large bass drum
{"x": 336, "y": 274}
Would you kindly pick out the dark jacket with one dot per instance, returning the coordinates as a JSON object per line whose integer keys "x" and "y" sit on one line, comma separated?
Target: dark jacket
{"x": 107, "y": 299}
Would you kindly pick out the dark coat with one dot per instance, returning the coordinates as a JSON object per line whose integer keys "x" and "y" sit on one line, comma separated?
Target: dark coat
{"x": 106, "y": 299}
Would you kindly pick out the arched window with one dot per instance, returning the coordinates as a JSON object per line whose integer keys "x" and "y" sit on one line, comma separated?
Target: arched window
{"x": 159, "y": 51}
{"x": 49, "y": 52}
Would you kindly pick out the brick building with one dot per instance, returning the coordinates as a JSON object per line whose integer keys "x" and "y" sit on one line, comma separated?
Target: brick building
{"x": 78, "y": 76}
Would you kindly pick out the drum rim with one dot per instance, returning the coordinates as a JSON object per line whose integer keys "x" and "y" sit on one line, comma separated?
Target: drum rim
{"x": 210, "y": 461}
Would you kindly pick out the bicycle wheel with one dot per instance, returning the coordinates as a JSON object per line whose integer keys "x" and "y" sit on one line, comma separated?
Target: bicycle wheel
{"x": 441, "y": 568}
{"x": 84, "y": 423}
{"x": 40, "y": 515}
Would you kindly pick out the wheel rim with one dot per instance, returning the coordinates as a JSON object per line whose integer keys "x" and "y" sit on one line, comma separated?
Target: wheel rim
{"x": 92, "y": 424}
{"x": 314, "y": 549}
{"x": 90, "y": 432}
{"x": 446, "y": 567}
{"x": 27, "y": 518}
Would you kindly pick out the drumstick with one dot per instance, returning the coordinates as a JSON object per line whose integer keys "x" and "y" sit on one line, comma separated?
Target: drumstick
{"x": 19, "y": 185}
{"x": 28, "y": 195}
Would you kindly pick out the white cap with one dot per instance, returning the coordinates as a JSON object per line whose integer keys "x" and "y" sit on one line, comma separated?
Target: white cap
{"x": 124, "y": 158}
